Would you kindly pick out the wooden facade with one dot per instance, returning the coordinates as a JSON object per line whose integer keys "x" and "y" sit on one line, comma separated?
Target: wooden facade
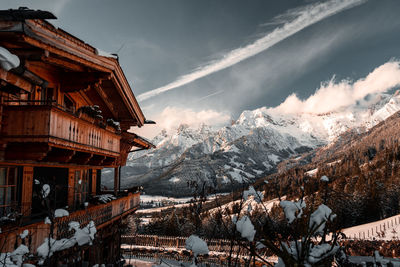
{"x": 65, "y": 112}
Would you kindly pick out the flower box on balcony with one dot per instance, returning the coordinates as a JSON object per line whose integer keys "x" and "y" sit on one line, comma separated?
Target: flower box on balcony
{"x": 86, "y": 117}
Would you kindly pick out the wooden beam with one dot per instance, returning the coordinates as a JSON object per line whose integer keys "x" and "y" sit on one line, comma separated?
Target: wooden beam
{"x": 106, "y": 98}
{"x": 26, "y": 196}
{"x": 96, "y": 160}
{"x": 81, "y": 158}
{"x": 109, "y": 161}
{"x": 67, "y": 51}
{"x": 32, "y": 54}
{"x": 76, "y": 77}
{"x": 71, "y": 186}
{"x": 77, "y": 81}
{"x": 15, "y": 80}
{"x": 60, "y": 155}
{"x": 27, "y": 151}
{"x": 63, "y": 63}
{"x": 94, "y": 183}
{"x": 116, "y": 181}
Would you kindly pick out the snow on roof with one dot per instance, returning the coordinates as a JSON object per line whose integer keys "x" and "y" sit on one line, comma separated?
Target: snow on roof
{"x": 105, "y": 54}
{"x": 8, "y": 60}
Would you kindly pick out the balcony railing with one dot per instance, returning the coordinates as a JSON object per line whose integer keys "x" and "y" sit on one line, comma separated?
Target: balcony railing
{"x": 101, "y": 215}
{"x": 51, "y": 124}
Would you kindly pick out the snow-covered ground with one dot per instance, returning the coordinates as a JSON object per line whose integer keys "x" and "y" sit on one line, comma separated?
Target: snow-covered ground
{"x": 386, "y": 229}
{"x": 150, "y": 198}
{"x": 141, "y": 263}
{"x": 183, "y": 202}
{"x": 249, "y": 202}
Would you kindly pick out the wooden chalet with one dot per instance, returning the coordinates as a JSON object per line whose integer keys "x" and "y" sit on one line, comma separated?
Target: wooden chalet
{"x": 58, "y": 114}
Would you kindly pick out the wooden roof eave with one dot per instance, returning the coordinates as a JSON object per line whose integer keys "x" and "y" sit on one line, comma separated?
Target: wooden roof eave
{"x": 128, "y": 97}
{"x": 137, "y": 140}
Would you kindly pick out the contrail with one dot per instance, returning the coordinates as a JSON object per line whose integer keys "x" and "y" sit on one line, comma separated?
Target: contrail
{"x": 301, "y": 18}
{"x": 207, "y": 96}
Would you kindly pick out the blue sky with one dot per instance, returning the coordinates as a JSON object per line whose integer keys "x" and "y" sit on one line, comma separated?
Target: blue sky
{"x": 161, "y": 42}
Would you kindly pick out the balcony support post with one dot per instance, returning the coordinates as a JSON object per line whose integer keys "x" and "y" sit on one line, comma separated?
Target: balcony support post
{"x": 116, "y": 180}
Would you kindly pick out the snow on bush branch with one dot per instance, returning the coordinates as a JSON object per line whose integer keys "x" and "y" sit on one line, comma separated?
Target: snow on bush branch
{"x": 81, "y": 237}
{"x": 258, "y": 196}
{"x": 245, "y": 227}
{"x": 307, "y": 241}
{"x": 293, "y": 210}
{"x": 197, "y": 246}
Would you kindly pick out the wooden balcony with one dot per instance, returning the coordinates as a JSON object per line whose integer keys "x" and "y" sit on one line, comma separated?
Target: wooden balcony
{"x": 47, "y": 127}
{"x": 101, "y": 215}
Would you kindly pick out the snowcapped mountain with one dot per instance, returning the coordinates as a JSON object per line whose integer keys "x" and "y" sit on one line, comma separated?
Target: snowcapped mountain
{"x": 170, "y": 146}
{"x": 248, "y": 149}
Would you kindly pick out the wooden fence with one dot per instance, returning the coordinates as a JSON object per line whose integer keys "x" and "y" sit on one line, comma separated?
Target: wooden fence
{"x": 217, "y": 245}
{"x": 159, "y": 258}
{"x": 154, "y": 247}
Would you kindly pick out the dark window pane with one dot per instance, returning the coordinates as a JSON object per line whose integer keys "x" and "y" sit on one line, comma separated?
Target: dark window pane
{"x": 12, "y": 176}
{"x": 2, "y": 195}
{"x": 3, "y": 172}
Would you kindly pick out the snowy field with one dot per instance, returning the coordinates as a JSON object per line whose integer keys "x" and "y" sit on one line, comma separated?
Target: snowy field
{"x": 266, "y": 205}
{"x": 179, "y": 202}
{"x": 386, "y": 229}
{"x": 150, "y": 198}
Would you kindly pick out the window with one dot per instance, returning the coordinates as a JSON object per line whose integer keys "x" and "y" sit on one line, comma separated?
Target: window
{"x": 47, "y": 95}
{"x": 8, "y": 190}
{"x": 69, "y": 104}
{"x": 81, "y": 187}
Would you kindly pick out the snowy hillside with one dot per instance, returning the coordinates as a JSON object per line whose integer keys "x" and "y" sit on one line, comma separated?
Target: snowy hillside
{"x": 248, "y": 149}
{"x": 386, "y": 229}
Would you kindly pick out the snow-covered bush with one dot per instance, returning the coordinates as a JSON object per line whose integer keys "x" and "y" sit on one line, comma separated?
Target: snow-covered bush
{"x": 60, "y": 213}
{"x": 81, "y": 237}
{"x": 244, "y": 227}
{"x": 197, "y": 246}
{"x": 306, "y": 238}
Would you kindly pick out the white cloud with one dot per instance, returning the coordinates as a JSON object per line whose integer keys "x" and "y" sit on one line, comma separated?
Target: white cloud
{"x": 172, "y": 117}
{"x": 296, "y": 20}
{"x": 332, "y": 96}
